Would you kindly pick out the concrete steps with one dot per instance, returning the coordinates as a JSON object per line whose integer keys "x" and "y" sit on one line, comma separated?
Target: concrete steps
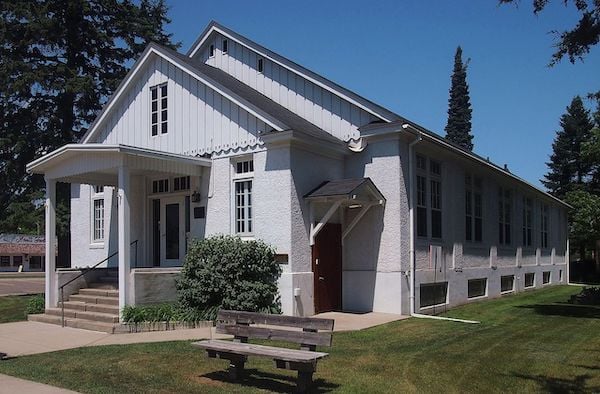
{"x": 75, "y": 323}
{"x": 94, "y": 308}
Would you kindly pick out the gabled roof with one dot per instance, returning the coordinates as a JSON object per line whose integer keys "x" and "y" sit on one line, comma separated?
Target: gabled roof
{"x": 272, "y": 113}
{"x": 359, "y": 101}
{"x": 178, "y": 60}
{"x": 344, "y": 189}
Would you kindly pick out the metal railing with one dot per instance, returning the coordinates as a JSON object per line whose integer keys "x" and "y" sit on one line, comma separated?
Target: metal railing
{"x": 90, "y": 269}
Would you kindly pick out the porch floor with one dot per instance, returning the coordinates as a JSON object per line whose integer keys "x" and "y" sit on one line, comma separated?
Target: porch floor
{"x": 354, "y": 321}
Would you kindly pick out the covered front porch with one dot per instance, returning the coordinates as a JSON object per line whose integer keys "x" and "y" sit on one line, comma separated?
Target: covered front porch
{"x": 148, "y": 197}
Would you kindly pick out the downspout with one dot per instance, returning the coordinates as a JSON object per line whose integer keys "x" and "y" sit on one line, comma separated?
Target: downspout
{"x": 411, "y": 215}
{"x": 411, "y": 220}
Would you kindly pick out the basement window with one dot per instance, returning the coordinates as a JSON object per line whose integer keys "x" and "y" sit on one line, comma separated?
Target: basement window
{"x": 545, "y": 277}
{"x": 477, "y": 288}
{"x": 432, "y": 294}
{"x": 529, "y": 279}
{"x": 507, "y": 283}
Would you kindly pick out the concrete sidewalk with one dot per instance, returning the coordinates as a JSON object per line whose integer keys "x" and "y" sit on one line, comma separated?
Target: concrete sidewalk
{"x": 27, "y": 337}
{"x": 23, "y": 338}
{"x": 9, "y": 384}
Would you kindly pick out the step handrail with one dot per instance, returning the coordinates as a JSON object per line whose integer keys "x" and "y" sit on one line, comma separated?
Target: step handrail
{"x": 89, "y": 269}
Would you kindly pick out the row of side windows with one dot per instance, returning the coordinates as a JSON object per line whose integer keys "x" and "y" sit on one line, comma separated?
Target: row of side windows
{"x": 429, "y": 205}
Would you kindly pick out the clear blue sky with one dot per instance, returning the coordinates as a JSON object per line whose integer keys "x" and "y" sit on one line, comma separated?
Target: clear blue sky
{"x": 400, "y": 55}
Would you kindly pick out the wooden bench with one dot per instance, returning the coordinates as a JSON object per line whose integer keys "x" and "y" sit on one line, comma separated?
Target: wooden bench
{"x": 308, "y": 332}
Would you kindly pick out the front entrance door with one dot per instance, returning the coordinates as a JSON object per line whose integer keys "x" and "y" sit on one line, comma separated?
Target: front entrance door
{"x": 172, "y": 231}
{"x": 327, "y": 268}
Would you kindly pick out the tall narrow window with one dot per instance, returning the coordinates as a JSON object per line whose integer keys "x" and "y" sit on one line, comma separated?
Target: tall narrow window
{"x": 225, "y": 46}
{"x": 504, "y": 216}
{"x": 244, "y": 171}
{"x": 211, "y": 50}
{"x": 421, "y": 206}
{"x": 259, "y": 65}
{"x": 158, "y": 110}
{"x": 527, "y": 221}
{"x": 473, "y": 209}
{"x": 97, "y": 214}
{"x": 429, "y": 198}
{"x": 544, "y": 226}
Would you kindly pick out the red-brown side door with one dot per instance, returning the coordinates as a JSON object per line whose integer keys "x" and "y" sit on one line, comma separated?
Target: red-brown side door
{"x": 327, "y": 268}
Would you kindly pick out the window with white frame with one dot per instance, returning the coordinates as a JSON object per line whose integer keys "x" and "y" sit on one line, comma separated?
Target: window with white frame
{"x": 504, "y": 216}
{"x": 244, "y": 172}
{"x": 429, "y": 198}
{"x": 544, "y": 225}
{"x": 97, "y": 214}
{"x": 527, "y": 221}
{"x": 473, "y": 209}
{"x": 158, "y": 110}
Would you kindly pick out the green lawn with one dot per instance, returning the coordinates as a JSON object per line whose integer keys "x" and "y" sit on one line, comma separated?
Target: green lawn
{"x": 12, "y": 308}
{"x": 531, "y": 342}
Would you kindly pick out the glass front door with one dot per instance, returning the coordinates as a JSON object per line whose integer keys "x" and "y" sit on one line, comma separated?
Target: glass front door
{"x": 172, "y": 246}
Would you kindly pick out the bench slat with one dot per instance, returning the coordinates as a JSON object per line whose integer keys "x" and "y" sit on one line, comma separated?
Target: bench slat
{"x": 276, "y": 320}
{"x": 247, "y": 349}
{"x": 302, "y": 337}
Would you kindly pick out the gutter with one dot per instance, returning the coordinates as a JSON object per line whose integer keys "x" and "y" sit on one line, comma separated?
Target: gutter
{"x": 411, "y": 220}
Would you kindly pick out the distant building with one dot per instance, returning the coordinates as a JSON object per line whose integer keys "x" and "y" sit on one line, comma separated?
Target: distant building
{"x": 22, "y": 250}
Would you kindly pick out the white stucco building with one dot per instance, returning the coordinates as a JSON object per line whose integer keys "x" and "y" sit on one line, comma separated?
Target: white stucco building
{"x": 367, "y": 210}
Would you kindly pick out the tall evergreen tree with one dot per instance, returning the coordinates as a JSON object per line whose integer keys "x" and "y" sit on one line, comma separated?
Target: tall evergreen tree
{"x": 458, "y": 129}
{"x": 567, "y": 168}
{"x": 59, "y": 62}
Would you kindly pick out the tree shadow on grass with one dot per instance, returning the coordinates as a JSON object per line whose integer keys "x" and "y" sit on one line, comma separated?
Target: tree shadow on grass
{"x": 270, "y": 381}
{"x": 568, "y": 310}
{"x": 578, "y": 384}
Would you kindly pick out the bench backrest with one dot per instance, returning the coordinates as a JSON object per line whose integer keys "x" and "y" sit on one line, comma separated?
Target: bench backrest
{"x": 314, "y": 332}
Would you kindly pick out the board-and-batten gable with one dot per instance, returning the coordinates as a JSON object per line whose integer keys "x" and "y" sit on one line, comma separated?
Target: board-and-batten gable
{"x": 325, "y": 109}
{"x": 200, "y": 119}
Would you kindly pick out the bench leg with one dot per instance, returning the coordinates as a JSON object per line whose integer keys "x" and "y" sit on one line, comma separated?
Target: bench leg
{"x": 304, "y": 381}
{"x": 236, "y": 368}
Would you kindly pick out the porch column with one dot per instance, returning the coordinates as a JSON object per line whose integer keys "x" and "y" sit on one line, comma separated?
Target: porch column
{"x": 51, "y": 285}
{"x": 124, "y": 235}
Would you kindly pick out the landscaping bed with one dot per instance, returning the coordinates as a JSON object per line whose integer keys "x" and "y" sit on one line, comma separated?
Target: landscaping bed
{"x": 530, "y": 342}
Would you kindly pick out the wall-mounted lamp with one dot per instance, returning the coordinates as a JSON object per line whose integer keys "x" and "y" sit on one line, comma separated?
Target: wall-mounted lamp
{"x": 196, "y": 196}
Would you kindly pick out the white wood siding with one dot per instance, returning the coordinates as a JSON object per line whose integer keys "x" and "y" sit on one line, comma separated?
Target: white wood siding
{"x": 200, "y": 120}
{"x": 319, "y": 106}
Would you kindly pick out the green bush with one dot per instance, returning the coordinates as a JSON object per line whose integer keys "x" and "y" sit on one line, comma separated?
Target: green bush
{"x": 35, "y": 305}
{"x": 151, "y": 313}
{"x": 229, "y": 273}
{"x": 588, "y": 296}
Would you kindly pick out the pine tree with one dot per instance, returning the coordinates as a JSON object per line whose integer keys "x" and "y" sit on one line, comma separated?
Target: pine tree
{"x": 567, "y": 168}
{"x": 60, "y": 60}
{"x": 458, "y": 129}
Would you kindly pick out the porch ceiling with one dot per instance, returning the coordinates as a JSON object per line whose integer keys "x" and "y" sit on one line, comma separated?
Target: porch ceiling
{"x": 99, "y": 163}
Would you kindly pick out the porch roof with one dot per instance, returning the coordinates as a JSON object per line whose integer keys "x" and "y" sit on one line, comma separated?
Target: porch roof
{"x": 346, "y": 189}
{"x": 99, "y": 163}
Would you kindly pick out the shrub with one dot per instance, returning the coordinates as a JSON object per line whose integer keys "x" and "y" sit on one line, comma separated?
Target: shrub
{"x": 35, "y": 305}
{"x": 151, "y": 313}
{"x": 588, "y": 296}
{"x": 226, "y": 272}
